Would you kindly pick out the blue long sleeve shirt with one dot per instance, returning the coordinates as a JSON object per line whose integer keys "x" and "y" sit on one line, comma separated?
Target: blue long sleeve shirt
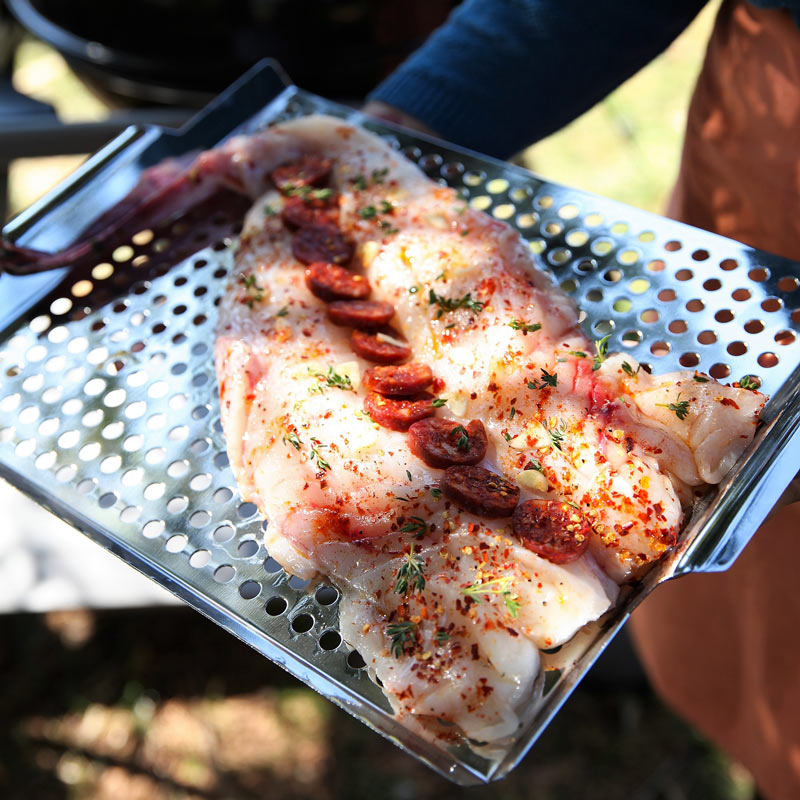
{"x": 501, "y": 74}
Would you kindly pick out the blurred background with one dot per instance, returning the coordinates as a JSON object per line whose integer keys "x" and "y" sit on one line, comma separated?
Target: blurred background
{"x": 110, "y": 688}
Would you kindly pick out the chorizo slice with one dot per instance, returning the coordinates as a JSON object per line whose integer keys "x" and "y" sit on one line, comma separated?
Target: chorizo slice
{"x": 332, "y": 282}
{"x": 444, "y": 442}
{"x": 480, "y": 491}
{"x": 398, "y": 415}
{"x": 404, "y": 379}
{"x": 365, "y": 314}
{"x": 381, "y": 347}
{"x": 552, "y": 529}
{"x": 304, "y": 171}
{"x": 321, "y": 243}
{"x": 306, "y": 212}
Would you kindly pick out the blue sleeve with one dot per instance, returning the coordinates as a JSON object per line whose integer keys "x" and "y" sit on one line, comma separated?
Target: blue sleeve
{"x": 500, "y": 74}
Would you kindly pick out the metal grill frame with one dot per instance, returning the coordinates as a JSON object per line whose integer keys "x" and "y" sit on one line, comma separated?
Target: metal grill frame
{"x": 604, "y": 265}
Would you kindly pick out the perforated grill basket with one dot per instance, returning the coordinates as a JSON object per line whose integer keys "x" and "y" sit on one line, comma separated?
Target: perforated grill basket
{"x": 109, "y": 403}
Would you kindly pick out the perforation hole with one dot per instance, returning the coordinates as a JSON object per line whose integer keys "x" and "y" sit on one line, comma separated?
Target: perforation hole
{"x": 622, "y": 306}
{"x": 594, "y": 295}
{"x": 247, "y": 548}
{"x": 89, "y": 451}
{"x": 788, "y": 284}
{"x": 224, "y": 573}
{"x": 107, "y": 500}
{"x": 154, "y": 491}
{"x": 66, "y": 473}
{"x": 759, "y": 274}
{"x": 154, "y": 528}
{"x": 631, "y": 338}
{"x": 772, "y": 304}
{"x": 46, "y": 460}
{"x": 660, "y": 348}
{"x": 728, "y": 264}
{"x": 224, "y": 533}
{"x": 707, "y": 337}
{"x": 737, "y": 348}
{"x": 330, "y": 640}
{"x": 354, "y": 660}
{"x": 673, "y": 246}
{"x": 684, "y": 275}
{"x": 576, "y": 238}
{"x": 785, "y": 338}
{"x": 689, "y": 360}
{"x": 133, "y": 477}
{"x": 666, "y": 295}
{"x": 628, "y": 257}
{"x": 677, "y": 326}
{"x": 603, "y": 327}
{"x": 133, "y": 443}
{"x": 712, "y": 284}
{"x": 28, "y": 415}
{"x": 602, "y": 246}
{"x": 754, "y": 326}
{"x": 199, "y": 558}
{"x": 723, "y": 315}
{"x": 612, "y": 275}
{"x": 740, "y": 295}
{"x": 249, "y": 590}
{"x": 656, "y": 265}
{"x": 326, "y": 595}
{"x": 110, "y": 464}
{"x": 199, "y": 519}
{"x": 276, "y": 606}
{"x": 649, "y": 315}
{"x": 60, "y": 306}
{"x": 302, "y": 623}
{"x": 176, "y": 543}
{"x": 768, "y": 360}
{"x": 719, "y": 371}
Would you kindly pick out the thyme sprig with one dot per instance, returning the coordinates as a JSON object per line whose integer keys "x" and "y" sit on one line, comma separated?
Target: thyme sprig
{"x": 447, "y": 304}
{"x": 496, "y": 586}
{"x": 410, "y": 575}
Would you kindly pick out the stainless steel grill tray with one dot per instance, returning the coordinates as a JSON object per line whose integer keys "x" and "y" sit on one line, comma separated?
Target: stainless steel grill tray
{"x": 109, "y": 413}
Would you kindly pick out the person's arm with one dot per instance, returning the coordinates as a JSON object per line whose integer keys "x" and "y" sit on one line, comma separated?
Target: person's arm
{"x": 500, "y": 74}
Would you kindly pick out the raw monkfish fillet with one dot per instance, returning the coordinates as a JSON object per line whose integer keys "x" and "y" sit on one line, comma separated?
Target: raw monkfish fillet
{"x": 460, "y": 549}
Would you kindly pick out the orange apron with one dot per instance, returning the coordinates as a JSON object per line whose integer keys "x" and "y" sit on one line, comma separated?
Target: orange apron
{"x": 724, "y": 650}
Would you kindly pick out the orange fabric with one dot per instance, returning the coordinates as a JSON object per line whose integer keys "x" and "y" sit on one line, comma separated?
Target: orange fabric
{"x": 724, "y": 650}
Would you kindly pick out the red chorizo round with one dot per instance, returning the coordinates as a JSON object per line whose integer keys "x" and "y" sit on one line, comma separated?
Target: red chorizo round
{"x": 444, "y": 442}
{"x": 321, "y": 243}
{"x": 364, "y": 314}
{"x": 331, "y": 282}
{"x": 398, "y": 415}
{"x": 304, "y": 212}
{"x": 370, "y": 346}
{"x": 552, "y": 529}
{"x": 480, "y": 491}
{"x": 404, "y": 379}
{"x": 303, "y": 171}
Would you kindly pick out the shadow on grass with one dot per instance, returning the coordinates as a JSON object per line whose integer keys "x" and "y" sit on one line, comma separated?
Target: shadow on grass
{"x": 163, "y": 704}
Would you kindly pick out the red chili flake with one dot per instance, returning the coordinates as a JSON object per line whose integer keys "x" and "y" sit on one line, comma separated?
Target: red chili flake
{"x": 726, "y": 401}
{"x": 474, "y": 652}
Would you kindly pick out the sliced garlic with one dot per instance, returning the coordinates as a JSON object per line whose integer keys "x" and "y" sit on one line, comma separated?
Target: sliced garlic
{"x": 350, "y": 369}
{"x": 382, "y": 337}
{"x": 533, "y": 479}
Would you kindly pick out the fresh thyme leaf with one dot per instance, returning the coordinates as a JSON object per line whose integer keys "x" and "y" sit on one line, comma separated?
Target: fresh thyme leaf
{"x": 436, "y": 492}
{"x": 452, "y": 303}
{"x": 463, "y": 437}
{"x": 385, "y": 207}
{"x": 556, "y": 433}
{"x": 379, "y": 174}
{"x": 337, "y": 381}
{"x": 701, "y": 379}
{"x": 441, "y": 636}
{"x": 548, "y": 379}
{"x": 507, "y": 436}
{"x": 283, "y": 312}
{"x": 410, "y": 575}
{"x": 269, "y": 211}
{"x": 415, "y": 525}
{"x": 388, "y": 228}
{"x": 438, "y": 402}
{"x": 316, "y": 446}
{"x": 534, "y": 464}
{"x": 400, "y": 497}
{"x": 532, "y": 384}
{"x": 679, "y": 407}
{"x": 749, "y": 382}
{"x": 368, "y": 212}
{"x": 401, "y": 634}
{"x": 601, "y": 346}
{"x": 322, "y": 194}
{"x": 525, "y": 327}
{"x": 628, "y": 369}
{"x": 465, "y": 232}
{"x": 577, "y": 353}
{"x": 293, "y": 439}
{"x": 512, "y": 413}
{"x": 359, "y": 183}
{"x": 496, "y": 586}
{"x": 253, "y": 292}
